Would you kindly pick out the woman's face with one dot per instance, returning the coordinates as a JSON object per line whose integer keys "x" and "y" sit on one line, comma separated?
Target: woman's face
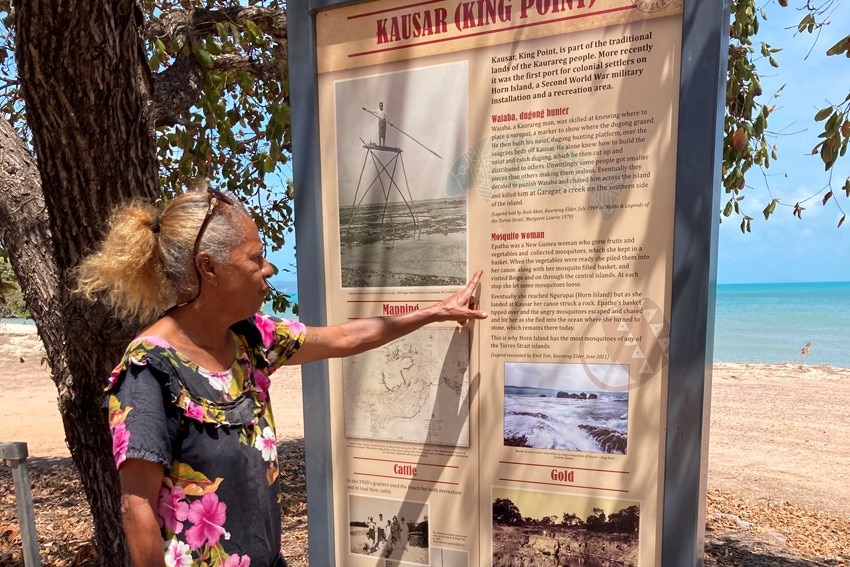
{"x": 242, "y": 276}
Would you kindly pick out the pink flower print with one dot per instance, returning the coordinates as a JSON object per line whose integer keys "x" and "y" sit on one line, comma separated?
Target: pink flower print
{"x": 267, "y": 328}
{"x": 207, "y": 516}
{"x": 173, "y": 508}
{"x": 194, "y": 411}
{"x": 296, "y": 327}
{"x": 113, "y": 378}
{"x": 236, "y": 561}
{"x": 267, "y": 444}
{"x": 220, "y": 380}
{"x": 178, "y": 554}
{"x": 261, "y": 383}
{"x": 120, "y": 443}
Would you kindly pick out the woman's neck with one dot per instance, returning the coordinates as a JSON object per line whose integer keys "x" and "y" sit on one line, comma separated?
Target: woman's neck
{"x": 199, "y": 335}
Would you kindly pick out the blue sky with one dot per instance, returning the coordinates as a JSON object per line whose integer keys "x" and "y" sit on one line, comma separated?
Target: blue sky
{"x": 784, "y": 248}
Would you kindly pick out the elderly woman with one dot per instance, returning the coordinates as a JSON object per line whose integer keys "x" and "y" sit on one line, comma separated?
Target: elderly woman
{"x": 192, "y": 427}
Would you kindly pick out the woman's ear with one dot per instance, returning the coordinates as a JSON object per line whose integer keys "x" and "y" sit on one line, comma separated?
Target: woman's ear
{"x": 206, "y": 266}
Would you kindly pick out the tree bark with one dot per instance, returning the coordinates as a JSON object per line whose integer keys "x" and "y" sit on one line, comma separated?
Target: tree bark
{"x": 87, "y": 88}
{"x": 91, "y": 110}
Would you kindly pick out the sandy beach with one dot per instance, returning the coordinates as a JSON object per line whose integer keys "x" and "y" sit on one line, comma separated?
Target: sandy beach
{"x": 778, "y": 432}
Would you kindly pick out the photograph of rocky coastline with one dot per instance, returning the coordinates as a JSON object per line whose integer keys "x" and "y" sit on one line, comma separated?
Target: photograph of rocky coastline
{"x": 559, "y": 406}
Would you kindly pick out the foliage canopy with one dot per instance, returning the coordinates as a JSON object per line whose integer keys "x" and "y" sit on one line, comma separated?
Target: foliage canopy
{"x": 219, "y": 75}
{"x": 746, "y": 140}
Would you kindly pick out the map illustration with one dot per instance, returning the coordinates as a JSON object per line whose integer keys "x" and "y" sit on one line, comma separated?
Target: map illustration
{"x": 413, "y": 390}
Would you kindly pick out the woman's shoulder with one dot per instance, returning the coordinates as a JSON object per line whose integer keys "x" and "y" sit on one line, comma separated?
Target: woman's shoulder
{"x": 268, "y": 331}
{"x": 147, "y": 350}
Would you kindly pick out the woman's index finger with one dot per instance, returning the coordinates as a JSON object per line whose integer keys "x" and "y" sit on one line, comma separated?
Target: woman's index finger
{"x": 473, "y": 283}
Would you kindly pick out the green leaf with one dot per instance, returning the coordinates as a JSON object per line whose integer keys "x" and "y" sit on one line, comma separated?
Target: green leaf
{"x": 770, "y": 208}
{"x": 833, "y": 123}
{"x": 268, "y": 164}
{"x": 203, "y": 57}
{"x": 244, "y": 79}
{"x": 823, "y": 113}
{"x": 759, "y": 125}
{"x": 255, "y": 34}
{"x": 840, "y": 47}
{"x": 212, "y": 46}
{"x": 829, "y": 151}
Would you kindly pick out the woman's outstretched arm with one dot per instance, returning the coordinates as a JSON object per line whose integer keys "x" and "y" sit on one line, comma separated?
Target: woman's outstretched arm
{"x": 361, "y": 335}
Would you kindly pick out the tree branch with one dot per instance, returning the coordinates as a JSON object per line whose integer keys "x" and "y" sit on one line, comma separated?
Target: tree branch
{"x": 179, "y": 24}
{"x": 24, "y": 224}
{"x": 178, "y": 87}
{"x": 231, "y": 62}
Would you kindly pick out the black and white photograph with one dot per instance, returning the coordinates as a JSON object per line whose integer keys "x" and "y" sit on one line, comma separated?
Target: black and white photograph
{"x": 561, "y": 406}
{"x": 551, "y": 529}
{"x": 401, "y": 222}
{"x": 445, "y": 557}
{"x": 394, "y": 530}
{"x": 441, "y": 557}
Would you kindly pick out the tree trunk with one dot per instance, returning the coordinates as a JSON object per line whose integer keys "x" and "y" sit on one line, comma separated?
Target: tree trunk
{"x": 86, "y": 85}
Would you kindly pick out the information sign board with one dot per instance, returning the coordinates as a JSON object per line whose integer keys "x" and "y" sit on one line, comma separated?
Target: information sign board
{"x": 543, "y": 141}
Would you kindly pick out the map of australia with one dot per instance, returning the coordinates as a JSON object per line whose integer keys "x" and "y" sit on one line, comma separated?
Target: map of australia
{"x": 414, "y": 390}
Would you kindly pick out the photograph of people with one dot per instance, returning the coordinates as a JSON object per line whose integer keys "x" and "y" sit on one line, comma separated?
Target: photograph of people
{"x": 402, "y": 534}
{"x": 561, "y": 406}
{"x": 397, "y": 136}
{"x": 381, "y": 115}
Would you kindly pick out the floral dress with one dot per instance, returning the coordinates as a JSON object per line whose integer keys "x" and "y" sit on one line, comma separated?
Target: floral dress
{"x": 214, "y": 433}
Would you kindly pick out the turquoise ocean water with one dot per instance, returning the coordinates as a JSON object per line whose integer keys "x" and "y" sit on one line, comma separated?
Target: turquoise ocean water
{"x": 763, "y": 322}
{"x": 772, "y": 322}
{"x": 290, "y": 288}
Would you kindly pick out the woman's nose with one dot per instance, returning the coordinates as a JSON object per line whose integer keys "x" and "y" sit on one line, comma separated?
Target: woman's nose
{"x": 268, "y": 271}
